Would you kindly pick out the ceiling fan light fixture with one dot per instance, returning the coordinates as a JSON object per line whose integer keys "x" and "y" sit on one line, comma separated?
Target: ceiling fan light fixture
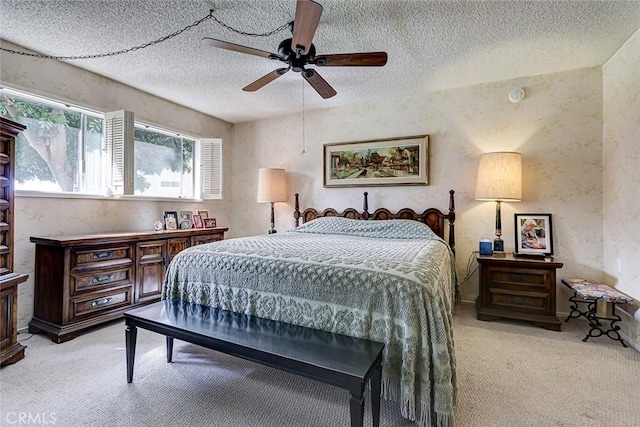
{"x": 299, "y": 51}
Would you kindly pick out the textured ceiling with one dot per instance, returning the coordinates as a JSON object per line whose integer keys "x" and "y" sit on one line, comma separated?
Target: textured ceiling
{"x": 432, "y": 45}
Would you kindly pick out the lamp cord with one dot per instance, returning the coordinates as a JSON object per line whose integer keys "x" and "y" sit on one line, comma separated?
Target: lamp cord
{"x": 148, "y": 44}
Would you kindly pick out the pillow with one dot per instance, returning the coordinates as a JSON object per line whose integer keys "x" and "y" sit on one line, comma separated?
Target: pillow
{"x": 384, "y": 229}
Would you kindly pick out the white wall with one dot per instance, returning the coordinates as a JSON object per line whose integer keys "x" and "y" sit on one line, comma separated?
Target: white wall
{"x": 621, "y": 174}
{"x": 557, "y": 128}
{"x": 56, "y": 216}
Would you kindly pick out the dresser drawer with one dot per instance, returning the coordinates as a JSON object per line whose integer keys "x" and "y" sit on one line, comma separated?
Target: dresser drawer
{"x": 94, "y": 280}
{"x": 513, "y": 300}
{"x": 525, "y": 279}
{"x": 99, "y": 257}
{"x": 209, "y": 238}
{"x": 88, "y": 305}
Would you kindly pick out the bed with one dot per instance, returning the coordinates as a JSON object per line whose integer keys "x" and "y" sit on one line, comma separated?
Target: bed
{"x": 350, "y": 273}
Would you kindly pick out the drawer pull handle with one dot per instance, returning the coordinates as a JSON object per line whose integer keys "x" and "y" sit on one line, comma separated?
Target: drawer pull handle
{"x": 517, "y": 300}
{"x": 100, "y": 302}
{"x": 517, "y": 277}
{"x": 103, "y": 255}
{"x": 101, "y": 279}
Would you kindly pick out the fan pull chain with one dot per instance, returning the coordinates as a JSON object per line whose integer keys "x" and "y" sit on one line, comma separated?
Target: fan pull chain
{"x": 303, "y": 128}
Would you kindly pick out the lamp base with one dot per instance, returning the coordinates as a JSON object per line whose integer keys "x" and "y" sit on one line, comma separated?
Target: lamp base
{"x": 498, "y": 245}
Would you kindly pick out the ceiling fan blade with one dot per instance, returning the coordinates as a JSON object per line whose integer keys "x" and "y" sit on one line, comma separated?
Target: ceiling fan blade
{"x": 268, "y": 78}
{"x": 208, "y": 41}
{"x": 321, "y": 86}
{"x": 305, "y": 24}
{"x": 368, "y": 59}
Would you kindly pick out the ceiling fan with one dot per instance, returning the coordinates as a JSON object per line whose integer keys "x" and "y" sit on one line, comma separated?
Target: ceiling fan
{"x": 299, "y": 52}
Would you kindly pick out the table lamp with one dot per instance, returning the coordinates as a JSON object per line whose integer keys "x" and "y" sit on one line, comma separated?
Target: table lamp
{"x": 499, "y": 180}
{"x": 272, "y": 187}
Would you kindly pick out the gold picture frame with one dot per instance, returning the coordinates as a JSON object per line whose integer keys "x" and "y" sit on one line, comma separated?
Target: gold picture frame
{"x": 377, "y": 162}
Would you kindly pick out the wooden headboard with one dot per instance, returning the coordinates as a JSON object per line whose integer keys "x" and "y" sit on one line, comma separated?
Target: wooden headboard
{"x": 433, "y": 217}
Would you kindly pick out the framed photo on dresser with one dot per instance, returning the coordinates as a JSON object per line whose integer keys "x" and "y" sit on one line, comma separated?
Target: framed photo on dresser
{"x": 197, "y": 221}
{"x": 186, "y": 220}
{"x": 170, "y": 220}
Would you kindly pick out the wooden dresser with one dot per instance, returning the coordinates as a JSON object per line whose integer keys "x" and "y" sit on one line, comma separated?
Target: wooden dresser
{"x": 83, "y": 281}
{"x": 518, "y": 288}
{"x": 10, "y": 349}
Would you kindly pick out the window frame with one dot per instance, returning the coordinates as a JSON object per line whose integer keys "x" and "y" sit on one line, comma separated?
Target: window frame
{"x": 197, "y": 160}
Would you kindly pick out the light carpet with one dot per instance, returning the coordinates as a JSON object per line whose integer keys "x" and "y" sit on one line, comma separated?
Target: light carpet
{"x": 509, "y": 374}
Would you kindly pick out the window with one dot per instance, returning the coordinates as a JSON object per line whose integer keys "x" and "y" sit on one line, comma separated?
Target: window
{"x": 67, "y": 149}
{"x": 61, "y": 149}
{"x": 163, "y": 164}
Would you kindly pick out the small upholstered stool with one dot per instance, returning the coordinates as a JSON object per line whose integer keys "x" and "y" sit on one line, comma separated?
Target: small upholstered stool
{"x": 600, "y": 301}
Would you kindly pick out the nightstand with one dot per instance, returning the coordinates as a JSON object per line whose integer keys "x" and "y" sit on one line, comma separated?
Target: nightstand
{"x": 518, "y": 288}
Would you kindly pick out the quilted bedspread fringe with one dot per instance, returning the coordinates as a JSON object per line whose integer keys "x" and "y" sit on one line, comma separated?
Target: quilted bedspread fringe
{"x": 445, "y": 420}
{"x": 391, "y": 391}
{"x": 441, "y": 420}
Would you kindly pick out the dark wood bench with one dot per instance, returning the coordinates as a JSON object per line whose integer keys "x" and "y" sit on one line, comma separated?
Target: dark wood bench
{"x": 335, "y": 359}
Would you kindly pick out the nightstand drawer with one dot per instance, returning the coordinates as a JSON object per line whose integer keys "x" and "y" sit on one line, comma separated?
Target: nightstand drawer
{"x": 532, "y": 302}
{"x": 512, "y": 278}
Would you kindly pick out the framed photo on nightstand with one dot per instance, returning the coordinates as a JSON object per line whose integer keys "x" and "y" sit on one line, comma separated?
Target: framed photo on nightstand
{"x": 534, "y": 235}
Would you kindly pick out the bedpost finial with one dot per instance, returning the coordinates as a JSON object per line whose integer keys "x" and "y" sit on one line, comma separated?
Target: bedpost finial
{"x": 452, "y": 203}
{"x": 365, "y": 207}
{"x": 452, "y": 221}
{"x": 296, "y": 213}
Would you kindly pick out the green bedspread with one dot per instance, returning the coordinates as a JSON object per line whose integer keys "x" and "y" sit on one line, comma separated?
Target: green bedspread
{"x": 390, "y": 281}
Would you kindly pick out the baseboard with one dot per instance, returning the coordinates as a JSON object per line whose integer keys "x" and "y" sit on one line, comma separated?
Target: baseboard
{"x": 630, "y": 321}
{"x": 630, "y": 341}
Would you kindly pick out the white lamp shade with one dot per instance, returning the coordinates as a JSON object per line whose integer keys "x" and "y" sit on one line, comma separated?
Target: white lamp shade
{"x": 500, "y": 177}
{"x": 272, "y": 185}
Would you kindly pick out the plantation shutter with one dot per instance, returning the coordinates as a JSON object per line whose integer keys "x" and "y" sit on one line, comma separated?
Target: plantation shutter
{"x": 211, "y": 168}
{"x": 118, "y": 135}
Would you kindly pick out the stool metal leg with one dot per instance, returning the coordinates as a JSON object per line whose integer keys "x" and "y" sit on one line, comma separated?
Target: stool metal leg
{"x": 575, "y": 312}
{"x": 596, "y": 325}
{"x": 613, "y": 328}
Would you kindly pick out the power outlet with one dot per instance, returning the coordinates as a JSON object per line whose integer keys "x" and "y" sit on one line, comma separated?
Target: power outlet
{"x": 619, "y": 263}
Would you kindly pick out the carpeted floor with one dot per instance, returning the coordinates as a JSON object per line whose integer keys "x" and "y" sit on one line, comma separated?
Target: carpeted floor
{"x": 509, "y": 374}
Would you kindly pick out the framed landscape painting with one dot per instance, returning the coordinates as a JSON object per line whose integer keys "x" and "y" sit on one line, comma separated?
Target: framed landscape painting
{"x": 378, "y": 162}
